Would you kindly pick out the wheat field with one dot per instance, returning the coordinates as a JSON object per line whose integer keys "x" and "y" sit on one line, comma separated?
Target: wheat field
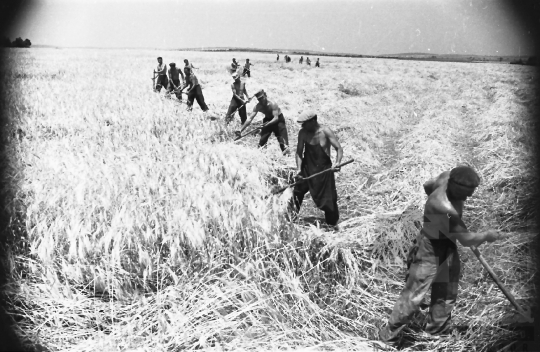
{"x": 139, "y": 226}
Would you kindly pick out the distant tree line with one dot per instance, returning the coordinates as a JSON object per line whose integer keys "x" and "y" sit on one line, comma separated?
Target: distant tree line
{"x": 531, "y": 61}
{"x": 17, "y": 43}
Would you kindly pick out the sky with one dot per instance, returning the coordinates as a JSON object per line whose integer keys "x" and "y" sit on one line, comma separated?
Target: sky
{"x": 368, "y": 27}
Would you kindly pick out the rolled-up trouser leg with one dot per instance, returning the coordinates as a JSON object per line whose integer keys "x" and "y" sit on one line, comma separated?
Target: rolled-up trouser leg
{"x": 421, "y": 274}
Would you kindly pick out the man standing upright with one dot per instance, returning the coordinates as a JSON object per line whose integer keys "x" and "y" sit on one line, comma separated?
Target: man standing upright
{"x": 308, "y": 61}
{"x": 247, "y": 69}
{"x": 239, "y": 98}
{"x": 162, "y": 75}
{"x": 434, "y": 261}
{"x": 277, "y": 59}
{"x": 301, "y": 60}
{"x": 313, "y": 156}
{"x": 174, "y": 80}
{"x": 317, "y": 63}
{"x": 274, "y": 122}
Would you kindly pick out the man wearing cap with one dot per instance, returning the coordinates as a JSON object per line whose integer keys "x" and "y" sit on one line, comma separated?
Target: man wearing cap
{"x": 313, "y": 156}
{"x": 434, "y": 260}
{"x": 174, "y": 80}
{"x": 162, "y": 75}
{"x": 247, "y": 69}
{"x": 239, "y": 91}
{"x": 273, "y": 121}
{"x": 194, "y": 91}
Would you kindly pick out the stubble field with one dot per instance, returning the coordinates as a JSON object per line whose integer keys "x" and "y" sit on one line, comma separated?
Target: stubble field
{"x": 136, "y": 225}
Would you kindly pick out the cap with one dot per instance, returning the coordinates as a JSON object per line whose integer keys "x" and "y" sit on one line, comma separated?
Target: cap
{"x": 172, "y": 64}
{"x": 259, "y": 93}
{"x": 306, "y": 116}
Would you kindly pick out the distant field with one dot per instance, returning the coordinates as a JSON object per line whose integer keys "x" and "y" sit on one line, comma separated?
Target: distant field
{"x": 139, "y": 226}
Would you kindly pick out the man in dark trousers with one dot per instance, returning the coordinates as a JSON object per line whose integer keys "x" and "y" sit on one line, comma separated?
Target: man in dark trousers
{"x": 277, "y": 59}
{"x": 313, "y": 156}
{"x": 247, "y": 69}
{"x": 174, "y": 80}
{"x": 434, "y": 260}
{"x": 161, "y": 70}
{"x": 194, "y": 91}
{"x": 301, "y": 60}
{"x": 239, "y": 98}
{"x": 274, "y": 122}
{"x": 308, "y": 61}
{"x": 317, "y": 63}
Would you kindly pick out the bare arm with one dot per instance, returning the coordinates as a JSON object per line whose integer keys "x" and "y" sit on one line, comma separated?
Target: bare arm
{"x": 275, "y": 112}
{"x": 458, "y": 231}
{"x": 436, "y": 182}
{"x": 299, "y": 152}
{"x": 334, "y": 143}
{"x": 236, "y": 95}
{"x": 182, "y": 74}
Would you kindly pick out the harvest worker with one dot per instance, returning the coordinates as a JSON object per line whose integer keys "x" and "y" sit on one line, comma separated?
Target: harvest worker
{"x": 174, "y": 80}
{"x": 317, "y": 63}
{"x": 277, "y": 57}
{"x": 313, "y": 156}
{"x": 246, "y": 68}
{"x": 301, "y": 60}
{"x": 239, "y": 98}
{"x": 434, "y": 260}
{"x": 308, "y": 61}
{"x": 194, "y": 91}
{"x": 162, "y": 75}
{"x": 188, "y": 65}
{"x": 274, "y": 122}
{"x": 234, "y": 64}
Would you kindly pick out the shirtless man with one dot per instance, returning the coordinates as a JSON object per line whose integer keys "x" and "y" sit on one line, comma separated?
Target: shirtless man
{"x": 239, "y": 98}
{"x": 274, "y": 122}
{"x": 174, "y": 80}
{"x": 162, "y": 75}
{"x": 434, "y": 260}
{"x": 312, "y": 156}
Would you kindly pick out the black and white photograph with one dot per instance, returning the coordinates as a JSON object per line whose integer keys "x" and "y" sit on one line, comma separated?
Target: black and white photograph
{"x": 269, "y": 175}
